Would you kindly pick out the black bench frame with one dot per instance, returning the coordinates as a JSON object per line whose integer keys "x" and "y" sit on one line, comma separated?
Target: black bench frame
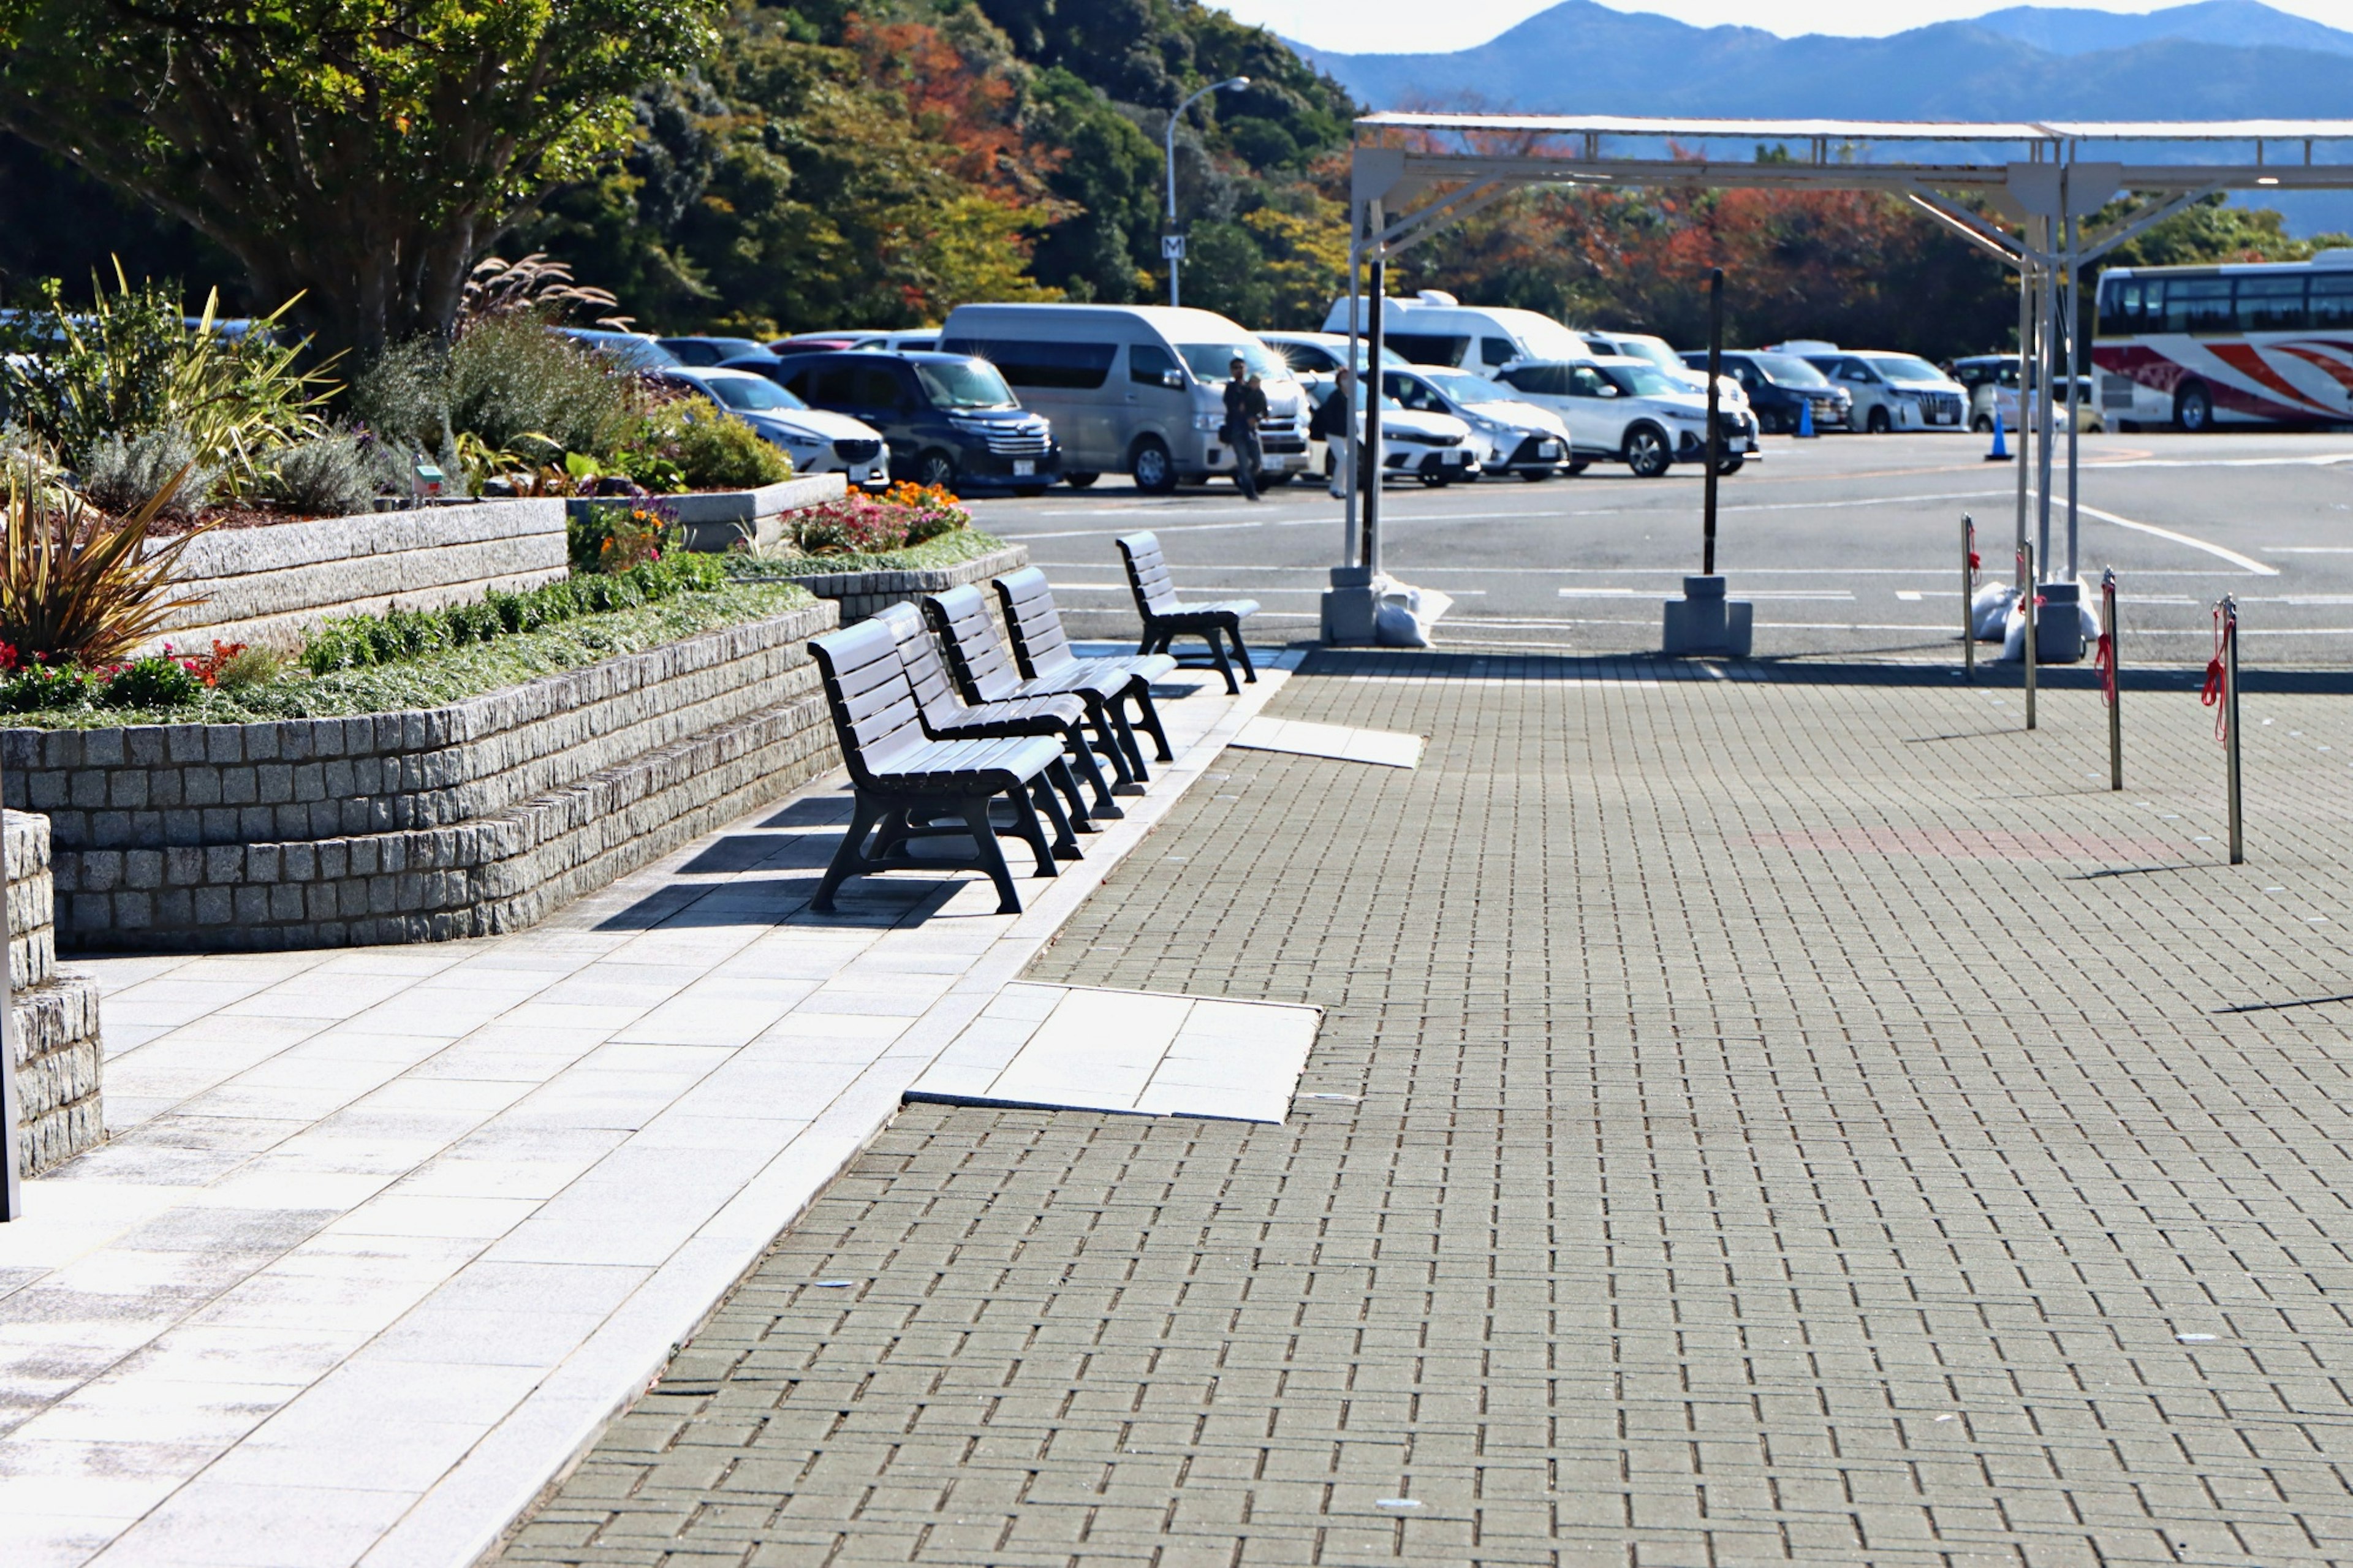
{"x": 1166, "y": 617}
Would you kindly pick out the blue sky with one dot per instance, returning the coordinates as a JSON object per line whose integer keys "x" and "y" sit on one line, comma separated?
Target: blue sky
{"x": 1408, "y": 25}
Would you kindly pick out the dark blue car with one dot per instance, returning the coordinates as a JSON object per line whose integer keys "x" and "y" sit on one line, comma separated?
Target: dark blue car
{"x": 950, "y": 420}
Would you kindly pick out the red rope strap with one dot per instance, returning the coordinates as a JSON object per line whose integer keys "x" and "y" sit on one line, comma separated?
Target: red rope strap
{"x": 2212, "y": 696}
{"x": 2104, "y": 655}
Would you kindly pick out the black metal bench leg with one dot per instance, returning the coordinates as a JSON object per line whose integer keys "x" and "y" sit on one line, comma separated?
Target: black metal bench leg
{"x": 1060, "y": 776}
{"x": 1026, "y": 823}
{"x": 992, "y": 857}
{"x": 1218, "y": 658}
{"x": 1242, "y": 652}
{"x": 1148, "y": 715}
{"x": 1126, "y": 756}
{"x": 1041, "y": 790}
{"x": 1081, "y": 758}
{"x": 849, "y": 859}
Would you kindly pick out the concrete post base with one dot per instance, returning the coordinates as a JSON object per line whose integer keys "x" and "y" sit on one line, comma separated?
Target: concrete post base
{"x": 1352, "y": 606}
{"x": 2059, "y": 624}
{"x": 1704, "y": 623}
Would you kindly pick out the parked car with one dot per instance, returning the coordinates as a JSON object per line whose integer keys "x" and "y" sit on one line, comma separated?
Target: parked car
{"x": 1434, "y": 449}
{"x": 947, "y": 419}
{"x": 1435, "y": 328}
{"x": 1316, "y": 358}
{"x": 1992, "y": 383}
{"x": 818, "y": 440}
{"x": 1779, "y": 386}
{"x": 638, "y": 351}
{"x": 1891, "y": 391}
{"x": 1508, "y": 435}
{"x": 1629, "y": 410}
{"x": 1138, "y": 388}
{"x": 921, "y": 340}
{"x": 710, "y": 351}
{"x": 815, "y": 343}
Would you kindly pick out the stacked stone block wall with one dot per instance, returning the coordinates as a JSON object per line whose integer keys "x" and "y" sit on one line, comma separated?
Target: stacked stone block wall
{"x": 465, "y": 820}
{"x": 58, "y": 1059}
{"x": 864, "y": 593}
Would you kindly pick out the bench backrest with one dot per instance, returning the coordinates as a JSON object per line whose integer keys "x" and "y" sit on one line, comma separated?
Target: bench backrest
{"x": 1036, "y": 625}
{"x": 976, "y": 658}
{"x": 928, "y": 673}
{"x": 1147, "y": 574}
{"x": 873, "y": 707}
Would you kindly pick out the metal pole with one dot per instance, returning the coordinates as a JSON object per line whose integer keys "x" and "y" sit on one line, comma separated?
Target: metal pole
{"x": 1173, "y": 262}
{"x": 2231, "y": 726}
{"x": 2113, "y": 686}
{"x": 2046, "y": 343}
{"x": 11, "y": 1192}
{"x": 1715, "y": 438}
{"x": 1348, "y": 530}
{"x": 2026, "y": 287}
{"x": 1371, "y": 385}
{"x": 2032, "y": 582}
{"x": 1968, "y": 594}
{"x": 2075, "y": 371}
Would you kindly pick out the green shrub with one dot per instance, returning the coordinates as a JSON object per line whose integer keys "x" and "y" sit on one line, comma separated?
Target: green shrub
{"x": 504, "y": 380}
{"x": 118, "y": 476}
{"x": 150, "y": 682}
{"x": 725, "y": 454}
{"x": 618, "y": 535}
{"x": 35, "y": 688}
{"x": 350, "y": 642}
{"x": 327, "y": 476}
{"x": 247, "y": 668}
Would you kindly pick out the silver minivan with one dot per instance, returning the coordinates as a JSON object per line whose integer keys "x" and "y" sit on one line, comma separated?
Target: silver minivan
{"x": 1137, "y": 389}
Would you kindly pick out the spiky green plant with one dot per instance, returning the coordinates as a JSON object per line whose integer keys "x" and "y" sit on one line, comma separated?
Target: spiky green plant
{"x": 75, "y": 584}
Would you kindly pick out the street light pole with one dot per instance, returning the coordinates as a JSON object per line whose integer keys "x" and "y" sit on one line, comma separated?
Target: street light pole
{"x": 1176, "y": 253}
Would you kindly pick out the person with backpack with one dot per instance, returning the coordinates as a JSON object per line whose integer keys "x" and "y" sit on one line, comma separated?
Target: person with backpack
{"x": 1245, "y": 406}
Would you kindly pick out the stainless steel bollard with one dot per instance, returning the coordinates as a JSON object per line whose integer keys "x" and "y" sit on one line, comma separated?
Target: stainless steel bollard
{"x": 1968, "y": 595}
{"x": 2028, "y": 595}
{"x": 2230, "y": 612}
{"x": 2112, "y": 677}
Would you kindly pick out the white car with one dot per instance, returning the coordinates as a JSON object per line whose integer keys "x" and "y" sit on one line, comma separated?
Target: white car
{"x": 1631, "y": 411}
{"x": 817, "y": 440}
{"x": 1436, "y": 448}
{"x": 1891, "y": 391}
{"x": 1730, "y": 394}
{"x": 1510, "y": 435}
{"x": 1316, "y": 358}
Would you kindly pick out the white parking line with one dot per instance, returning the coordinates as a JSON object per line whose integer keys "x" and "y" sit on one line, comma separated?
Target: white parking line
{"x": 2245, "y": 563}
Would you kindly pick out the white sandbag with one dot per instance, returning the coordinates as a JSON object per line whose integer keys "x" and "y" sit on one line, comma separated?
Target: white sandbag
{"x": 1989, "y": 610}
{"x": 2013, "y": 632}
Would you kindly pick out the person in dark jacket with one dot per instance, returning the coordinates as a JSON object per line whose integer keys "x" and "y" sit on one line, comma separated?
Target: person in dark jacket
{"x": 1330, "y": 427}
{"x": 1245, "y": 406}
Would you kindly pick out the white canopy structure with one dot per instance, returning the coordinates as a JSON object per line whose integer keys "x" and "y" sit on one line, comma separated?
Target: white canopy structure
{"x": 1415, "y": 173}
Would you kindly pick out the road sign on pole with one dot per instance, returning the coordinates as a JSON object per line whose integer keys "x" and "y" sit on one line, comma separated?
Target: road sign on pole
{"x": 1172, "y": 248}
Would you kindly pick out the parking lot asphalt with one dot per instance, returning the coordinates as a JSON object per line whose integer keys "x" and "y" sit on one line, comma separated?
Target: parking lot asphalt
{"x": 1848, "y": 545}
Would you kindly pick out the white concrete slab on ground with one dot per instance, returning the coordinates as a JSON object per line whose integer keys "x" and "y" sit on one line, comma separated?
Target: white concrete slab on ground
{"x": 1143, "y": 1053}
{"x": 385, "y": 1236}
{"x": 1387, "y": 748}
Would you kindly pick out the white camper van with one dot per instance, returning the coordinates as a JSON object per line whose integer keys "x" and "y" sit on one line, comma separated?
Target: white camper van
{"x": 1137, "y": 388}
{"x": 1435, "y": 328}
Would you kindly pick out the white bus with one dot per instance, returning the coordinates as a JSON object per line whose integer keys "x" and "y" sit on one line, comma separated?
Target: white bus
{"x": 2194, "y": 347}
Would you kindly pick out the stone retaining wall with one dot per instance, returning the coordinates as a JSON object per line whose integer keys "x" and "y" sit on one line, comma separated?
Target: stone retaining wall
{"x": 864, "y": 593}
{"x": 265, "y": 584}
{"x": 465, "y": 820}
{"x": 58, "y": 1057}
{"x": 720, "y": 519}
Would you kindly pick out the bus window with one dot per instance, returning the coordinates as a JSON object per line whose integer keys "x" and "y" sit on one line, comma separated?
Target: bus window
{"x": 2197, "y": 305}
{"x": 2332, "y": 300}
{"x": 2270, "y": 304}
{"x": 2120, "y": 306}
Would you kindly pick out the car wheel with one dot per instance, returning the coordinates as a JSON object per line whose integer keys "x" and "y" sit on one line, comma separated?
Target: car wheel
{"x": 1150, "y": 466}
{"x": 2193, "y": 408}
{"x": 936, "y": 467}
{"x": 1080, "y": 482}
{"x": 1028, "y": 492}
{"x": 1579, "y": 465}
{"x": 1877, "y": 423}
{"x": 1646, "y": 452}
{"x": 1732, "y": 464}
{"x": 1534, "y": 476}
{"x": 1266, "y": 481}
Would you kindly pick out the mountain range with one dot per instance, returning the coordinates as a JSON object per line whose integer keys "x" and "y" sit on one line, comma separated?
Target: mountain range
{"x": 2218, "y": 59}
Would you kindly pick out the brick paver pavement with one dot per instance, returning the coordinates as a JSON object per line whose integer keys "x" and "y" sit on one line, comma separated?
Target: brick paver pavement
{"x": 1790, "y": 1119}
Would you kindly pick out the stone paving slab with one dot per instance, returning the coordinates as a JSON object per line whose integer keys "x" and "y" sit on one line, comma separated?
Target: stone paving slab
{"x": 384, "y": 1236}
{"x": 1789, "y": 1119}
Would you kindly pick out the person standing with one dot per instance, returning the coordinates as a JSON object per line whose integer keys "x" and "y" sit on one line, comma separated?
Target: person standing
{"x": 1245, "y": 406}
{"x": 1330, "y": 427}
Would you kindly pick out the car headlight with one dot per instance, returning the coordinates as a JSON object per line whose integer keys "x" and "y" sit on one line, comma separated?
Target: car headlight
{"x": 1208, "y": 422}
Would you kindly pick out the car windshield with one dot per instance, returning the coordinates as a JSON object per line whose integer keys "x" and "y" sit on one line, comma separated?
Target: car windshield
{"x": 969, "y": 384}
{"x": 1789, "y": 369}
{"x": 1904, "y": 367}
{"x": 1643, "y": 379}
{"x": 753, "y": 392}
{"x": 1466, "y": 388}
{"x": 1209, "y": 361}
{"x": 1650, "y": 349}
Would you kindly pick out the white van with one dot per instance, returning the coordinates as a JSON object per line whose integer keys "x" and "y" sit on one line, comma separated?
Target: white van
{"x": 1891, "y": 391}
{"x": 1137, "y": 389}
{"x": 1434, "y": 327}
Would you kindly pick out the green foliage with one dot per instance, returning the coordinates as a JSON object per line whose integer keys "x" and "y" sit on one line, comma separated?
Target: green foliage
{"x": 327, "y": 476}
{"x": 46, "y": 688}
{"x": 513, "y": 378}
{"x": 150, "y": 682}
{"x": 618, "y": 536}
{"x": 132, "y": 364}
{"x": 76, "y": 585}
{"x": 357, "y": 641}
{"x": 400, "y": 134}
{"x": 118, "y": 476}
{"x": 2210, "y": 231}
{"x": 946, "y": 550}
{"x": 725, "y": 454}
